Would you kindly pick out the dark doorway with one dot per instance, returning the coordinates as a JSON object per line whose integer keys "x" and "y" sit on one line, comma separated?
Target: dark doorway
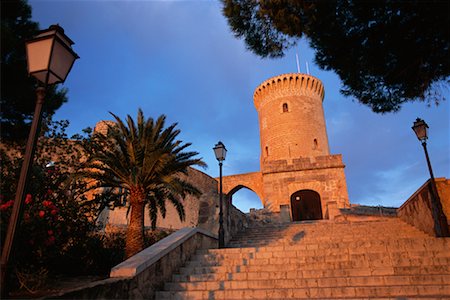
{"x": 305, "y": 205}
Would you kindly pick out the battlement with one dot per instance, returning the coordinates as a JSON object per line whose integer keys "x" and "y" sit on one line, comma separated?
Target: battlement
{"x": 288, "y": 85}
{"x": 103, "y": 126}
{"x": 304, "y": 163}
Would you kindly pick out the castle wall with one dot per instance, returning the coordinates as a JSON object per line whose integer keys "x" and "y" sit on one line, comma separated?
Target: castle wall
{"x": 199, "y": 212}
{"x": 324, "y": 175}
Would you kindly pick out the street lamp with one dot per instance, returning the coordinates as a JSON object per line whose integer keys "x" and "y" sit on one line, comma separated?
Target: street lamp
{"x": 50, "y": 58}
{"x": 440, "y": 221}
{"x": 220, "y": 151}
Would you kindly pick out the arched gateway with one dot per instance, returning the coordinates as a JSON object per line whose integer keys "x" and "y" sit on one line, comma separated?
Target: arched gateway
{"x": 306, "y": 205}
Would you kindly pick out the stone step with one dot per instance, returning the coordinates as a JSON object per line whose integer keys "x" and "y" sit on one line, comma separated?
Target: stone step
{"x": 313, "y": 257}
{"x": 328, "y": 230}
{"x": 323, "y": 225}
{"x": 428, "y": 244}
{"x": 320, "y": 262}
{"x": 306, "y": 239}
{"x": 293, "y": 265}
{"x": 393, "y": 291}
{"x": 303, "y": 237}
{"x": 386, "y": 232}
{"x": 331, "y": 234}
{"x": 349, "y": 252}
{"x": 346, "y": 247}
{"x": 317, "y": 274}
{"x": 381, "y": 258}
{"x": 329, "y": 282}
{"x": 318, "y": 243}
{"x": 335, "y": 227}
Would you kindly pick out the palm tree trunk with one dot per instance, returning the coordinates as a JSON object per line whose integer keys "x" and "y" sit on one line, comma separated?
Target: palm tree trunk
{"x": 135, "y": 231}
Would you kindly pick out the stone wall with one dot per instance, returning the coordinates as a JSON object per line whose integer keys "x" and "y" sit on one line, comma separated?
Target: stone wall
{"x": 200, "y": 212}
{"x": 234, "y": 220}
{"x": 143, "y": 274}
{"x": 329, "y": 181}
{"x": 417, "y": 210}
{"x": 261, "y": 217}
{"x": 443, "y": 186}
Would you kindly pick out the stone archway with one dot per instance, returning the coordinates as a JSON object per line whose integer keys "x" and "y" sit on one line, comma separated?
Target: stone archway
{"x": 244, "y": 198}
{"x": 251, "y": 181}
{"x": 306, "y": 205}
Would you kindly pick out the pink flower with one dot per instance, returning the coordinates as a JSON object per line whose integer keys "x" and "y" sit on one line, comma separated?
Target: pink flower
{"x": 6, "y": 205}
{"x": 54, "y": 211}
{"x": 41, "y": 213}
{"x": 28, "y": 199}
{"x": 50, "y": 232}
{"x": 47, "y": 203}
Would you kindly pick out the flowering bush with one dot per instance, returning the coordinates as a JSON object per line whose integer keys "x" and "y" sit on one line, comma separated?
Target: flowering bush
{"x": 56, "y": 215}
{"x": 57, "y": 234}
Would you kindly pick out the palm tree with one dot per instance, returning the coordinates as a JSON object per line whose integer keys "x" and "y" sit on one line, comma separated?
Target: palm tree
{"x": 146, "y": 161}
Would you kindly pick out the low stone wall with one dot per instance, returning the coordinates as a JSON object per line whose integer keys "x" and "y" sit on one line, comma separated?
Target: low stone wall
{"x": 365, "y": 210}
{"x": 141, "y": 275}
{"x": 235, "y": 221}
{"x": 264, "y": 216}
{"x": 417, "y": 210}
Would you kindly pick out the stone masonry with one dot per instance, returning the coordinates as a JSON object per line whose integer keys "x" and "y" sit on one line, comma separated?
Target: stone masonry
{"x": 295, "y": 155}
{"x": 363, "y": 258}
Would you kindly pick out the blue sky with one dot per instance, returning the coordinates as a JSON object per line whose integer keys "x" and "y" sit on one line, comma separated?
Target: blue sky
{"x": 179, "y": 58}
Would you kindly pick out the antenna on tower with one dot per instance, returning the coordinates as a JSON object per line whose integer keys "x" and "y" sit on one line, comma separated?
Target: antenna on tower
{"x": 307, "y": 68}
{"x": 298, "y": 65}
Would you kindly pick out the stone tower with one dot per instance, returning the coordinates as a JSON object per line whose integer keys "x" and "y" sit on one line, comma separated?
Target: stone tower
{"x": 291, "y": 118}
{"x": 299, "y": 178}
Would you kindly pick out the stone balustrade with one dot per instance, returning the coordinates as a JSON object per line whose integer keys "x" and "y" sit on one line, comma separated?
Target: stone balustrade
{"x": 142, "y": 274}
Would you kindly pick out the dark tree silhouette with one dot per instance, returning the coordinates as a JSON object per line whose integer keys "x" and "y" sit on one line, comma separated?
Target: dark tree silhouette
{"x": 385, "y": 52}
{"x": 18, "y": 96}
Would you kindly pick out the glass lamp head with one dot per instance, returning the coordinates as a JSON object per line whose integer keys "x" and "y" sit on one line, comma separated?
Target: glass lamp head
{"x": 50, "y": 55}
{"x": 421, "y": 129}
{"x": 220, "y": 151}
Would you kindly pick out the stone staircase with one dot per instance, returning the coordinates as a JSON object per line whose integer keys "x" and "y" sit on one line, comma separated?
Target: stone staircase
{"x": 365, "y": 258}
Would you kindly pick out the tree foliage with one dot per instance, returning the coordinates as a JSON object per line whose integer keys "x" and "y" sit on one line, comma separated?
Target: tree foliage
{"x": 385, "y": 52}
{"x": 55, "y": 235}
{"x": 145, "y": 161}
{"x": 18, "y": 96}
{"x": 58, "y": 236}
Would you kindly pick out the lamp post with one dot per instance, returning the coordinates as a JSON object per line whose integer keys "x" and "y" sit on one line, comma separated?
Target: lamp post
{"x": 50, "y": 58}
{"x": 440, "y": 221}
{"x": 220, "y": 151}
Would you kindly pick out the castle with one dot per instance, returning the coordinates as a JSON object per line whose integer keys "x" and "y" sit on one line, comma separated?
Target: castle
{"x": 360, "y": 253}
{"x": 298, "y": 178}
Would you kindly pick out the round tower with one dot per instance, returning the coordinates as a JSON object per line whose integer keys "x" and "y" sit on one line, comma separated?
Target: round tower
{"x": 291, "y": 118}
